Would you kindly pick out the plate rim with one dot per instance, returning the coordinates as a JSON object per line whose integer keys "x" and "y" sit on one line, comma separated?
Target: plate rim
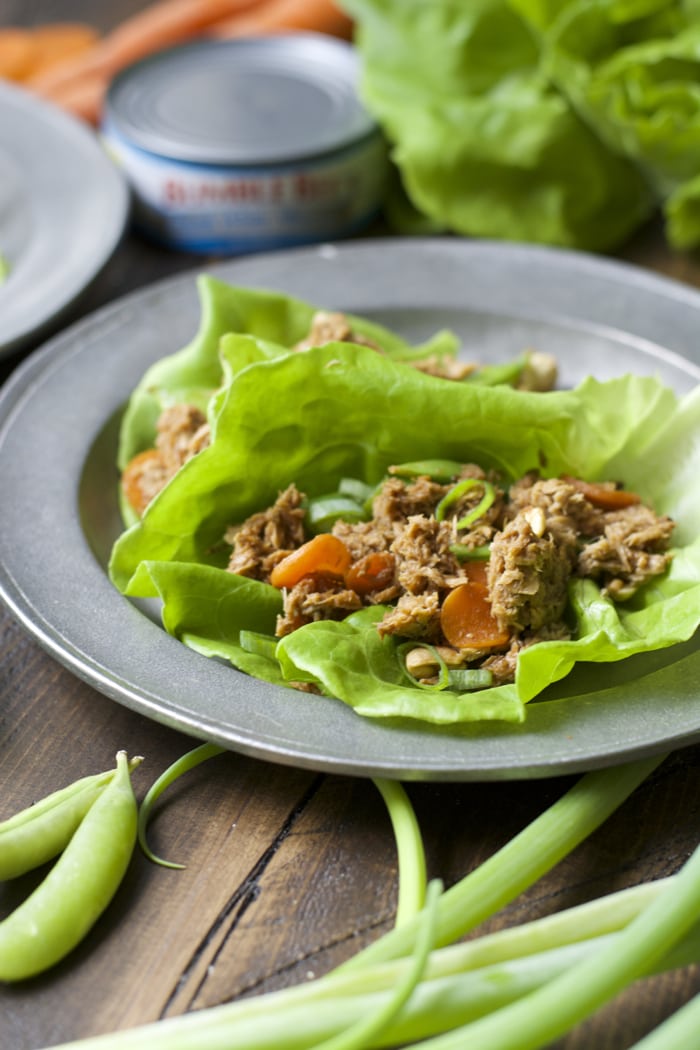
{"x": 105, "y": 185}
{"x": 20, "y": 390}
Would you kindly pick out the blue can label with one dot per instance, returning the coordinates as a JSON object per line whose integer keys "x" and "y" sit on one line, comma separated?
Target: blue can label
{"x": 203, "y": 208}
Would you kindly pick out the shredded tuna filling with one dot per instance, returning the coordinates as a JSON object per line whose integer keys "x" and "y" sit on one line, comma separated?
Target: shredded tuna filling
{"x": 538, "y": 534}
{"x": 416, "y": 553}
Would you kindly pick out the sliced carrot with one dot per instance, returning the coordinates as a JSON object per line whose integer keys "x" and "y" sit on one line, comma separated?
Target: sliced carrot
{"x": 374, "y": 572}
{"x": 16, "y": 50}
{"x": 467, "y": 621}
{"x": 324, "y": 553}
{"x": 476, "y": 572}
{"x": 279, "y": 16}
{"x": 603, "y": 497}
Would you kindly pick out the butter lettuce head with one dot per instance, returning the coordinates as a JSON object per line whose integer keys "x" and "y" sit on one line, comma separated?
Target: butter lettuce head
{"x": 341, "y": 410}
{"x": 566, "y": 122}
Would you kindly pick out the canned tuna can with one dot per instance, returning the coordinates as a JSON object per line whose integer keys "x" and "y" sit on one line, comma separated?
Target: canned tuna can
{"x": 243, "y": 145}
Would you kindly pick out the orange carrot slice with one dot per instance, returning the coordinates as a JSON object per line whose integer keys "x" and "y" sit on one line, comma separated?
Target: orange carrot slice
{"x": 476, "y": 572}
{"x": 374, "y": 572}
{"x": 325, "y": 553}
{"x": 467, "y": 621}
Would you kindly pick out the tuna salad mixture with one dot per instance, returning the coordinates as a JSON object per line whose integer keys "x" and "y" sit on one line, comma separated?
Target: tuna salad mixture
{"x": 471, "y": 570}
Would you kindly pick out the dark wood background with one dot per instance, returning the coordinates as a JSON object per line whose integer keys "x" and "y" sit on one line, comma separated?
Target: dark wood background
{"x": 288, "y": 872}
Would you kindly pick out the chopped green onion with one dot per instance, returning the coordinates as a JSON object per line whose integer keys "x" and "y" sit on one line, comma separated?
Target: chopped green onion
{"x": 506, "y": 374}
{"x": 443, "y": 671}
{"x": 182, "y": 765}
{"x": 358, "y": 490}
{"x": 469, "y": 679}
{"x": 324, "y": 511}
{"x": 442, "y": 470}
{"x": 258, "y": 644}
{"x": 456, "y": 493}
{"x": 464, "y": 553}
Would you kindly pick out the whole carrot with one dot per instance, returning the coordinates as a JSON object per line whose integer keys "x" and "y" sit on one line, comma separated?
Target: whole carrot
{"x": 16, "y": 51}
{"x": 83, "y": 97}
{"x": 162, "y": 24}
{"x": 56, "y": 42}
{"x": 280, "y": 16}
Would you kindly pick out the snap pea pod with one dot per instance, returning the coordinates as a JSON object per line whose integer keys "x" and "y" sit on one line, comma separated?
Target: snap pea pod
{"x": 77, "y": 889}
{"x": 40, "y": 832}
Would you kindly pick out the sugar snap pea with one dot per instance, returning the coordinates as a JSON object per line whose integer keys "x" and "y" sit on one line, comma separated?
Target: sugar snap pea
{"x": 42, "y": 831}
{"x": 77, "y": 889}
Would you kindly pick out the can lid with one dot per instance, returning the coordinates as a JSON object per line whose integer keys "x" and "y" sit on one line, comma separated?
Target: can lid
{"x": 257, "y": 100}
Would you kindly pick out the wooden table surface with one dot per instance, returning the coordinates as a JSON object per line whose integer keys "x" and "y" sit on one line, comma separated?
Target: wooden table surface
{"x": 288, "y": 872}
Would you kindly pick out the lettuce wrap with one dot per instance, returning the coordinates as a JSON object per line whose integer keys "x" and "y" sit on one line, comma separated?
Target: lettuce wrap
{"x": 276, "y": 321}
{"x": 338, "y": 411}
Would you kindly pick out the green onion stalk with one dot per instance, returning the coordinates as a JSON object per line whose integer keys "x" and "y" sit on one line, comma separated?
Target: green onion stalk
{"x": 537, "y": 1019}
{"x": 678, "y": 1032}
{"x": 497, "y": 984}
{"x": 522, "y": 861}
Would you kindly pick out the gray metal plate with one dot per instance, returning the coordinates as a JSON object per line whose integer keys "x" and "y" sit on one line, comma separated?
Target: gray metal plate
{"x": 63, "y": 209}
{"x": 58, "y": 424}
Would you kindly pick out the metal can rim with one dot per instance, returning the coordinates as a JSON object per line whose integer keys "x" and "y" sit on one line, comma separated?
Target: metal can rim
{"x": 144, "y": 103}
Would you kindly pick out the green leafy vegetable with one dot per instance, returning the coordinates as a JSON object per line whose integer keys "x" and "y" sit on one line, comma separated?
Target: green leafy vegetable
{"x": 566, "y": 122}
{"x": 275, "y": 323}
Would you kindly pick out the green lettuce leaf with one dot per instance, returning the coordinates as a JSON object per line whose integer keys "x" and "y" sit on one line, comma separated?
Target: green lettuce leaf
{"x": 563, "y": 121}
{"x": 633, "y": 72}
{"x": 195, "y": 373}
{"x": 207, "y": 609}
{"x": 485, "y": 143}
{"x": 349, "y": 660}
{"x": 339, "y": 411}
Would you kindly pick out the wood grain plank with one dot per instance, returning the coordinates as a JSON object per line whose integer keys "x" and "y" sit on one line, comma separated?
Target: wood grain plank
{"x": 329, "y": 888}
{"x": 220, "y": 820}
